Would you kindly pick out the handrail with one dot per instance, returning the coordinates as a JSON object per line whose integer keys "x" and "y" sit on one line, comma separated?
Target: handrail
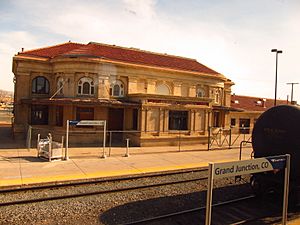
{"x": 241, "y": 144}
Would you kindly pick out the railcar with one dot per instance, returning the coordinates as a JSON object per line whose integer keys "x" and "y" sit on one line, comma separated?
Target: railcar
{"x": 277, "y": 132}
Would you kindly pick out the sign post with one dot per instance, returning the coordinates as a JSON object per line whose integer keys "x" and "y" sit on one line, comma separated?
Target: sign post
{"x": 85, "y": 123}
{"x": 209, "y": 193}
{"x": 236, "y": 168}
{"x": 67, "y": 141}
{"x": 286, "y": 189}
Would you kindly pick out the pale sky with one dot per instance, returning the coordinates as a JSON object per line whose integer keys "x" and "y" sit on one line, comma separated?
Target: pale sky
{"x": 233, "y": 37}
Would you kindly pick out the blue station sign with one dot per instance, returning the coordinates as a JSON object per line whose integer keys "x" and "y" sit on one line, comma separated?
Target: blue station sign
{"x": 87, "y": 122}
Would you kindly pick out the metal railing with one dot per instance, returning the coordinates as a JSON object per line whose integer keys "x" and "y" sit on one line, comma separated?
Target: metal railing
{"x": 219, "y": 137}
{"x": 215, "y": 138}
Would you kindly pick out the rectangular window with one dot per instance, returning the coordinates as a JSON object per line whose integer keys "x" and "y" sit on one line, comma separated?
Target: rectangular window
{"x": 233, "y": 122}
{"x": 39, "y": 114}
{"x": 244, "y": 126}
{"x": 178, "y": 120}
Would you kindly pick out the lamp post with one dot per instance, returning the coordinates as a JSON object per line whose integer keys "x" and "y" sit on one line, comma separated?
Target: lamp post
{"x": 277, "y": 52}
{"x": 292, "y": 92}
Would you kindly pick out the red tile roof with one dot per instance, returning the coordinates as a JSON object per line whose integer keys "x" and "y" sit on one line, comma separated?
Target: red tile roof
{"x": 52, "y": 51}
{"x": 247, "y": 103}
{"x": 121, "y": 54}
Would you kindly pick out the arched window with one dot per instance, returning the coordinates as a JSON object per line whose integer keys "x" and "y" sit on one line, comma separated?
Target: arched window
{"x": 40, "y": 85}
{"x": 60, "y": 84}
{"x": 85, "y": 86}
{"x": 200, "y": 92}
{"x": 117, "y": 89}
{"x": 162, "y": 89}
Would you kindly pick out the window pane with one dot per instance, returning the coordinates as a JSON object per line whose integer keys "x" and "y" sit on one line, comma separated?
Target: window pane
{"x": 86, "y": 88}
{"x": 232, "y": 123}
{"x": 40, "y": 85}
{"x": 178, "y": 120}
{"x": 116, "y": 90}
{"x": 39, "y": 115}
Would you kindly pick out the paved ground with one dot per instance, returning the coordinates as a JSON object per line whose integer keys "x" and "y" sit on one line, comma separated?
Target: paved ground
{"x": 21, "y": 166}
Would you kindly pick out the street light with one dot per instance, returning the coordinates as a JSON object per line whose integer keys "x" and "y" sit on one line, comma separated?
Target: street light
{"x": 277, "y": 52}
{"x": 292, "y": 92}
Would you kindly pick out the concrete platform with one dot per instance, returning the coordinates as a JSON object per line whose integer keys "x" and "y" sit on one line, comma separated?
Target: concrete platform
{"x": 20, "y": 166}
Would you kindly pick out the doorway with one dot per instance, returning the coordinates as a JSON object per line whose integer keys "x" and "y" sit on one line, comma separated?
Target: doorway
{"x": 115, "y": 124}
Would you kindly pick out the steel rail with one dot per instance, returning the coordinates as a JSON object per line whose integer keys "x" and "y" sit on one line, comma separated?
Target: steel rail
{"x": 28, "y": 201}
{"x": 151, "y": 219}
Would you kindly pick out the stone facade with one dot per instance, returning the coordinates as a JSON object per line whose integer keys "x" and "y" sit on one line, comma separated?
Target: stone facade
{"x": 152, "y": 103}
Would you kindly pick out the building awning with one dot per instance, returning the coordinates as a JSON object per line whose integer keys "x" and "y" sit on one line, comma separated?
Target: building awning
{"x": 79, "y": 101}
{"x": 170, "y": 99}
{"x": 226, "y": 108}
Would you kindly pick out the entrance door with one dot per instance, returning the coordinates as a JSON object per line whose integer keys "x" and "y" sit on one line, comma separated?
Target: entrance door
{"x": 115, "y": 123}
{"x": 216, "y": 119}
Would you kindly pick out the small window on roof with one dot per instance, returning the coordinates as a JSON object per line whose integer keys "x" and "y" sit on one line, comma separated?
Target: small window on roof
{"x": 200, "y": 92}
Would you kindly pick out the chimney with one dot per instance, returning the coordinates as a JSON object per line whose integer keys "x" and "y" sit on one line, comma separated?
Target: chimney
{"x": 264, "y": 102}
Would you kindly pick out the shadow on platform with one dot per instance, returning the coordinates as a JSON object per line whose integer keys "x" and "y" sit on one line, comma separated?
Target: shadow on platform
{"x": 7, "y": 140}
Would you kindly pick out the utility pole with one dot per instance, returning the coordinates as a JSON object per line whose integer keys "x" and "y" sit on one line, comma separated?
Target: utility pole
{"x": 292, "y": 92}
{"x": 277, "y": 52}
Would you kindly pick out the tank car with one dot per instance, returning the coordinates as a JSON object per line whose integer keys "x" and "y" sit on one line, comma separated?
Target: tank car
{"x": 277, "y": 132}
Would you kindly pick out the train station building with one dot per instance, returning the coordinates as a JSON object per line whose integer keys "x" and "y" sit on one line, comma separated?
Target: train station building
{"x": 148, "y": 97}
{"x": 245, "y": 110}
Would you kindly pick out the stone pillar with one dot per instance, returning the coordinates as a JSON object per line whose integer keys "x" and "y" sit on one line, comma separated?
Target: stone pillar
{"x": 190, "y": 127}
{"x": 207, "y": 121}
{"x": 144, "y": 120}
{"x": 194, "y": 121}
{"x": 161, "y": 121}
{"x": 166, "y": 120}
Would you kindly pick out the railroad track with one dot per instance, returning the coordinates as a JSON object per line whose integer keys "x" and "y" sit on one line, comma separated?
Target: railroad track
{"x": 245, "y": 210}
{"x": 78, "y": 193}
{"x": 113, "y": 201}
